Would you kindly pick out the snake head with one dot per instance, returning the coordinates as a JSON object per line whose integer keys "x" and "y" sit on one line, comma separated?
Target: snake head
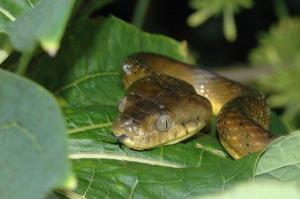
{"x": 159, "y": 110}
{"x": 140, "y": 130}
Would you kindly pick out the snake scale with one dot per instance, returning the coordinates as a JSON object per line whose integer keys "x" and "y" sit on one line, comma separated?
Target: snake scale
{"x": 168, "y": 101}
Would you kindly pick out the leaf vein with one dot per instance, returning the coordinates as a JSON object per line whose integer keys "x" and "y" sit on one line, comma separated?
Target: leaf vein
{"x": 30, "y": 3}
{"x": 112, "y": 156}
{"x": 26, "y": 132}
{"x": 85, "y": 78}
{"x": 7, "y": 14}
{"x": 89, "y": 127}
{"x": 133, "y": 188}
{"x": 90, "y": 183}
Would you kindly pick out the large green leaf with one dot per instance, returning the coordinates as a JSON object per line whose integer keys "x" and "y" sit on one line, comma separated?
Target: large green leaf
{"x": 33, "y": 144}
{"x": 260, "y": 190}
{"x": 28, "y": 22}
{"x": 125, "y": 179}
{"x": 281, "y": 161}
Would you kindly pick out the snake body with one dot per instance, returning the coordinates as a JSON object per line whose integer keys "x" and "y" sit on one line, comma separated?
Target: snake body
{"x": 168, "y": 101}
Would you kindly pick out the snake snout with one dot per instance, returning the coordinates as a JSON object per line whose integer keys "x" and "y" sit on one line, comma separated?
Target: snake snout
{"x": 127, "y": 132}
{"x": 125, "y": 127}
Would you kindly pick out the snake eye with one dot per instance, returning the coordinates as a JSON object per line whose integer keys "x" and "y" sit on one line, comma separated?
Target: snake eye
{"x": 164, "y": 123}
{"x": 122, "y": 104}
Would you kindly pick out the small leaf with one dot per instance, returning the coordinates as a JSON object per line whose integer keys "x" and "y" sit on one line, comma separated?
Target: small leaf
{"x": 33, "y": 148}
{"x": 29, "y": 22}
{"x": 229, "y": 23}
{"x": 198, "y": 18}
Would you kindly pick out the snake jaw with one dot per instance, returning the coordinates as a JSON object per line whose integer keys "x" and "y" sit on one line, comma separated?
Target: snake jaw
{"x": 128, "y": 142}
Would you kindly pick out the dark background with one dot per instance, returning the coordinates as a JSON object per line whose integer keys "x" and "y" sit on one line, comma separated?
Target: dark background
{"x": 206, "y": 42}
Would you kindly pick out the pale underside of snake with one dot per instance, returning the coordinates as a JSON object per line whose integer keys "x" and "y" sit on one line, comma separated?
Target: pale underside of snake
{"x": 169, "y": 101}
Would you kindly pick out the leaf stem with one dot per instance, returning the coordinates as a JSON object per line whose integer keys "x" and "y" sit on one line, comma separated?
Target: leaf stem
{"x": 140, "y": 12}
{"x": 24, "y": 61}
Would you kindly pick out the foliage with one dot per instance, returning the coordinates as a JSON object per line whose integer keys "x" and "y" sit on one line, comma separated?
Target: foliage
{"x": 85, "y": 78}
{"x": 279, "y": 49}
{"x": 208, "y": 8}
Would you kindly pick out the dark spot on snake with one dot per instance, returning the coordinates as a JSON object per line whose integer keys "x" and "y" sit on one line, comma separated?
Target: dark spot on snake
{"x": 122, "y": 137}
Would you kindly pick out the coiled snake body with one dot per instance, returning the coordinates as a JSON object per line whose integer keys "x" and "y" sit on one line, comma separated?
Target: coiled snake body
{"x": 168, "y": 101}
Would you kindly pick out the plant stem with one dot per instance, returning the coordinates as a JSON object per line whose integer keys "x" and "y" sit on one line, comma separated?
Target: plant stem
{"x": 24, "y": 61}
{"x": 140, "y": 12}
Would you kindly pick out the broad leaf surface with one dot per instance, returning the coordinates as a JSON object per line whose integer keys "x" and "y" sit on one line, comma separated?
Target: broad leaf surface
{"x": 33, "y": 143}
{"x": 264, "y": 190}
{"x": 281, "y": 161}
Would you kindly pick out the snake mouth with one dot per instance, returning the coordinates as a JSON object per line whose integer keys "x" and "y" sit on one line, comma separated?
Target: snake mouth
{"x": 122, "y": 136}
{"x": 127, "y": 141}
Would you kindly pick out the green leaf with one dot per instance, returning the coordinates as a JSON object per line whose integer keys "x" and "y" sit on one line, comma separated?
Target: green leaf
{"x": 281, "y": 161}
{"x": 30, "y": 22}
{"x": 86, "y": 77}
{"x": 125, "y": 179}
{"x": 265, "y": 190}
{"x": 33, "y": 144}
